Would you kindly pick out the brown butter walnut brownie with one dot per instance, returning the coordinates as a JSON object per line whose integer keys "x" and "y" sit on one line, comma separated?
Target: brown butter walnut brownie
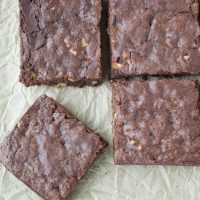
{"x": 49, "y": 149}
{"x": 156, "y": 122}
{"x": 60, "y": 42}
{"x": 154, "y": 37}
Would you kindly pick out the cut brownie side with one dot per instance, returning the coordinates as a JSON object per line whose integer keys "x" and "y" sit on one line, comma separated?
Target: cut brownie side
{"x": 60, "y": 42}
{"x": 156, "y": 37}
{"x": 49, "y": 149}
{"x": 156, "y": 122}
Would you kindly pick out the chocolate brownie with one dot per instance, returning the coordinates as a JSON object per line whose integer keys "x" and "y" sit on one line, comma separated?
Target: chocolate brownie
{"x": 60, "y": 42}
{"x": 49, "y": 149}
{"x": 154, "y": 37}
{"x": 156, "y": 122}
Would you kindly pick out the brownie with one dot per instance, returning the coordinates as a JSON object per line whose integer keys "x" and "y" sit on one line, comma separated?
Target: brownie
{"x": 156, "y": 122}
{"x": 154, "y": 37}
{"x": 60, "y": 42}
{"x": 49, "y": 149}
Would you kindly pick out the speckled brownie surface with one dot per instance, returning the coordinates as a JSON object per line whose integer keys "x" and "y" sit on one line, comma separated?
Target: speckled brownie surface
{"x": 156, "y": 122}
{"x": 60, "y": 42}
{"x": 154, "y": 37}
{"x": 49, "y": 149}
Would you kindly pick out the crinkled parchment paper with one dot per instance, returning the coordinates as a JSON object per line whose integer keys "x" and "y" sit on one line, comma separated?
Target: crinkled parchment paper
{"x": 104, "y": 180}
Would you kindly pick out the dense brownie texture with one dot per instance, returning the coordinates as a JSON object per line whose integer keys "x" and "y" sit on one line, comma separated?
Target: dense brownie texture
{"x": 156, "y": 122}
{"x": 49, "y": 149}
{"x": 154, "y": 37}
{"x": 60, "y": 42}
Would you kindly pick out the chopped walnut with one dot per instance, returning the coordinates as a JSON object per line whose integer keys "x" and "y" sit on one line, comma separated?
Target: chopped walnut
{"x": 33, "y": 75}
{"x": 134, "y": 142}
{"x": 19, "y": 124}
{"x": 195, "y": 8}
{"x": 179, "y": 59}
{"x": 117, "y": 65}
{"x": 73, "y": 52}
{"x": 66, "y": 41}
{"x": 61, "y": 85}
{"x": 94, "y": 82}
{"x": 71, "y": 79}
{"x": 186, "y": 57}
{"x": 84, "y": 43}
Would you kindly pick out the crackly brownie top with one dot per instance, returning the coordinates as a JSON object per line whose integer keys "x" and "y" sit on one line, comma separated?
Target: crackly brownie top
{"x": 156, "y": 122}
{"x": 154, "y": 37}
{"x": 60, "y": 40}
{"x": 49, "y": 150}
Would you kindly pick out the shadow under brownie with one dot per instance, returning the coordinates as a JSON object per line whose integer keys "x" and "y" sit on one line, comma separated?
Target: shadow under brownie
{"x": 155, "y": 37}
{"x": 60, "y": 42}
{"x": 156, "y": 122}
{"x": 49, "y": 149}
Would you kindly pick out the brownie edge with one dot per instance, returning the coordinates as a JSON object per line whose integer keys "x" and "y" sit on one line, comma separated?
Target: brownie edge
{"x": 156, "y": 122}
{"x": 156, "y": 37}
{"x": 60, "y": 42}
{"x": 49, "y": 149}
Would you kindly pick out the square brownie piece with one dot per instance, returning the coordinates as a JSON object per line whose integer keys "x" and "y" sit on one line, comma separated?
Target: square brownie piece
{"x": 60, "y": 42}
{"x": 154, "y": 37}
{"x": 49, "y": 149}
{"x": 156, "y": 122}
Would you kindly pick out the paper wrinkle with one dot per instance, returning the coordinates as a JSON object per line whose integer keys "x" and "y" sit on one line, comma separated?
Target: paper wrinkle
{"x": 104, "y": 180}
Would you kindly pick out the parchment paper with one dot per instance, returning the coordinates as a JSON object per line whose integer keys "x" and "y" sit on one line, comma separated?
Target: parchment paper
{"x": 104, "y": 180}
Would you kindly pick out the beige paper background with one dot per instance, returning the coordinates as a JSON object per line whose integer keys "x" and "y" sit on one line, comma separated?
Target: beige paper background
{"x": 104, "y": 180}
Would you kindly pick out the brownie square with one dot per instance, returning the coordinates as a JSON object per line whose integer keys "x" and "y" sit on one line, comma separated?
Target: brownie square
{"x": 49, "y": 149}
{"x": 156, "y": 122}
{"x": 155, "y": 37}
{"x": 60, "y": 42}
